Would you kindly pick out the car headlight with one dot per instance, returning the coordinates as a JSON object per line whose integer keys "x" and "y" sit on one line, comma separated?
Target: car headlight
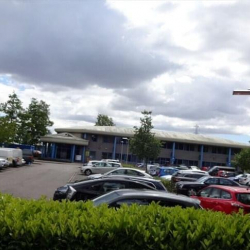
{"x": 71, "y": 193}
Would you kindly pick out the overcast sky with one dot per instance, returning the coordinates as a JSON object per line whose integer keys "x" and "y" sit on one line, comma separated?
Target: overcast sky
{"x": 181, "y": 60}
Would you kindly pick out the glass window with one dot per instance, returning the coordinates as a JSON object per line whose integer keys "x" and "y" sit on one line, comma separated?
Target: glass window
{"x": 212, "y": 181}
{"x": 215, "y": 193}
{"x": 110, "y": 186}
{"x": 225, "y": 195}
{"x": 118, "y": 172}
{"x": 225, "y": 182}
{"x": 94, "y": 138}
{"x": 244, "y": 198}
{"x": 205, "y": 192}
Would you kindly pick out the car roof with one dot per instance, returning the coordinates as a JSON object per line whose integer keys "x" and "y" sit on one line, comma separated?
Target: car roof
{"x": 233, "y": 189}
{"x": 153, "y": 194}
{"x": 128, "y": 177}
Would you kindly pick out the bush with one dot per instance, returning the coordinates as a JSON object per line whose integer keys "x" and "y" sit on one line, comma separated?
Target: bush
{"x": 42, "y": 224}
{"x": 168, "y": 184}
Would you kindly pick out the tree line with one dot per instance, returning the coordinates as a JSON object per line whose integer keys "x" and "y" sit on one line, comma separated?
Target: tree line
{"x": 23, "y": 125}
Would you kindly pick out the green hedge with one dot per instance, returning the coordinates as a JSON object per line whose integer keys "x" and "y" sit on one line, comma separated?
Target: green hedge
{"x": 42, "y": 224}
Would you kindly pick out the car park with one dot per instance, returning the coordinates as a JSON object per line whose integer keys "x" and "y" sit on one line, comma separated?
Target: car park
{"x": 92, "y": 188}
{"x": 245, "y": 179}
{"x": 225, "y": 199}
{"x": 122, "y": 171}
{"x": 99, "y": 167}
{"x": 145, "y": 197}
{"x": 192, "y": 188}
{"x": 187, "y": 175}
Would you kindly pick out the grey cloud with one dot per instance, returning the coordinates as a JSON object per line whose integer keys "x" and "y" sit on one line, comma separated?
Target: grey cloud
{"x": 74, "y": 44}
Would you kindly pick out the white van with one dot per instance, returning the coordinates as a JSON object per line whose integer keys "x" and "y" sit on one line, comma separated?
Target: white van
{"x": 13, "y": 155}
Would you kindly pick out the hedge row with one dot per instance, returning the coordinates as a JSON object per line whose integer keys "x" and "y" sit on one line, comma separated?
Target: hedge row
{"x": 42, "y": 224}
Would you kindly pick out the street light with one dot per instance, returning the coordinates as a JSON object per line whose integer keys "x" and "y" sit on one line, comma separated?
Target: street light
{"x": 121, "y": 150}
{"x": 241, "y": 92}
{"x": 127, "y": 139}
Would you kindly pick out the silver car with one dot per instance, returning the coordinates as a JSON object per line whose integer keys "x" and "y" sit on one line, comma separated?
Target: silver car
{"x": 122, "y": 171}
{"x": 100, "y": 168}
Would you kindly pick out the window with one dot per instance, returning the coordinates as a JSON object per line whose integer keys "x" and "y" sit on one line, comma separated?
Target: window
{"x": 179, "y": 146}
{"x": 225, "y": 195}
{"x": 94, "y": 138}
{"x": 108, "y": 139}
{"x": 92, "y": 154}
{"x": 244, "y": 198}
{"x": 215, "y": 193}
{"x": 118, "y": 172}
{"x": 212, "y": 181}
{"x": 110, "y": 186}
{"x": 93, "y": 187}
{"x": 170, "y": 145}
{"x": 205, "y": 192}
{"x": 225, "y": 182}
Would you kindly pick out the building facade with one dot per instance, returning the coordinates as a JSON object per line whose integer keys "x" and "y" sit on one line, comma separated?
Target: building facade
{"x": 106, "y": 142}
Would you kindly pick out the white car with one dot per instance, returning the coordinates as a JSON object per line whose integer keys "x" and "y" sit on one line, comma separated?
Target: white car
{"x": 245, "y": 179}
{"x": 4, "y": 162}
{"x": 100, "y": 168}
{"x": 166, "y": 177}
{"x": 123, "y": 171}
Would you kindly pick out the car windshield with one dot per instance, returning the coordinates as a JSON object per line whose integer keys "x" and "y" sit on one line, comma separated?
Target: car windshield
{"x": 244, "y": 198}
{"x": 105, "y": 198}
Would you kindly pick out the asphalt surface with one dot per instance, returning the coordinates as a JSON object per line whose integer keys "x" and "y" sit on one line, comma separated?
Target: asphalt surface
{"x": 38, "y": 179}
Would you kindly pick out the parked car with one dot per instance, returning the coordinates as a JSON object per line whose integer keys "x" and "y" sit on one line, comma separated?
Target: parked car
{"x": 236, "y": 178}
{"x": 156, "y": 184}
{"x": 214, "y": 171}
{"x": 60, "y": 193}
{"x": 13, "y": 155}
{"x": 99, "y": 167}
{"x": 192, "y": 188}
{"x": 188, "y": 175}
{"x": 152, "y": 169}
{"x": 28, "y": 156}
{"x": 245, "y": 179}
{"x": 166, "y": 171}
{"x": 90, "y": 189}
{"x": 145, "y": 197}
{"x": 225, "y": 199}
{"x": 122, "y": 171}
{"x": 3, "y": 163}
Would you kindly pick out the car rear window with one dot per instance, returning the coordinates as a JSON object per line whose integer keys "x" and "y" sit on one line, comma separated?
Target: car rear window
{"x": 243, "y": 198}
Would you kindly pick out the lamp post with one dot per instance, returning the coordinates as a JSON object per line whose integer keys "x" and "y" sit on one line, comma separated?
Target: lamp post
{"x": 121, "y": 150}
{"x": 127, "y": 139}
{"x": 241, "y": 92}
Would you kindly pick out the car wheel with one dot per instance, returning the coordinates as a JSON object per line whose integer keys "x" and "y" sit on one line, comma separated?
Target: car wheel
{"x": 88, "y": 172}
{"x": 192, "y": 192}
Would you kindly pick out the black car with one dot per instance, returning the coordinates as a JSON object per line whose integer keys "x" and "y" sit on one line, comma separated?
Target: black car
{"x": 156, "y": 184}
{"x": 28, "y": 156}
{"x": 189, "y": 175}
{"x": 90, "y": 189}
{"x": 192, "y": 188}
{"x": 145, "y": 197}
{"x": 60, "y": 192}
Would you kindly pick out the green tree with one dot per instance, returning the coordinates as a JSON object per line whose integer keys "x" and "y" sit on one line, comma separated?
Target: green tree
{"x": 242, "y": 159}
{"x": 35, "y": 121}
{"x": 12, "y": 108}
{"x": 7, "y": 130}
{"x": 104, "y": 120}
{"x": 144, "y": 144}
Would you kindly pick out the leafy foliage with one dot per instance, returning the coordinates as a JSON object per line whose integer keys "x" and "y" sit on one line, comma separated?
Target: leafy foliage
{"x": 25, "y": 125}
{"x": 42, "y": 224}
{"x": 144, "y": 144}
{"x": 104, "y": 120}
{"x": 242, "y": 159}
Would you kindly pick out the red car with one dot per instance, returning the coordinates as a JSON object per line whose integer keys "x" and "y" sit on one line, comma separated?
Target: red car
{"x": 225, "y": 198}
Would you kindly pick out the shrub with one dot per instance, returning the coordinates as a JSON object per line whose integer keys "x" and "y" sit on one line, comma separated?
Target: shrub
{"x": 42, "y": 224}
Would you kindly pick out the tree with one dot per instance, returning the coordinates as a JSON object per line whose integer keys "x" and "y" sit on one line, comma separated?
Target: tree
{"x": 36, "y": 120}
{"x": 144, "y": 144}
{"x": 242, "y": 159}
{"x": 104, "y": 120}
{"x": 7, "y": 130}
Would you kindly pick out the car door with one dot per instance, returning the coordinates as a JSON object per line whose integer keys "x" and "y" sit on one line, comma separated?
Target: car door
{"x": 203, "y": 196}
{"x": 225, "y": 202}
{"x": 212, "y": 199}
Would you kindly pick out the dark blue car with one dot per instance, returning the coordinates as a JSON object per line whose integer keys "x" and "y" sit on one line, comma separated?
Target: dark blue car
{"x": 167, "y": 171}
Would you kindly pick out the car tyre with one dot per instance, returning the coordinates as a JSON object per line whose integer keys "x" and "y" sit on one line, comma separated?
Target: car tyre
{"x": 192, "y": 192}
{"x": 88, "y": 172}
